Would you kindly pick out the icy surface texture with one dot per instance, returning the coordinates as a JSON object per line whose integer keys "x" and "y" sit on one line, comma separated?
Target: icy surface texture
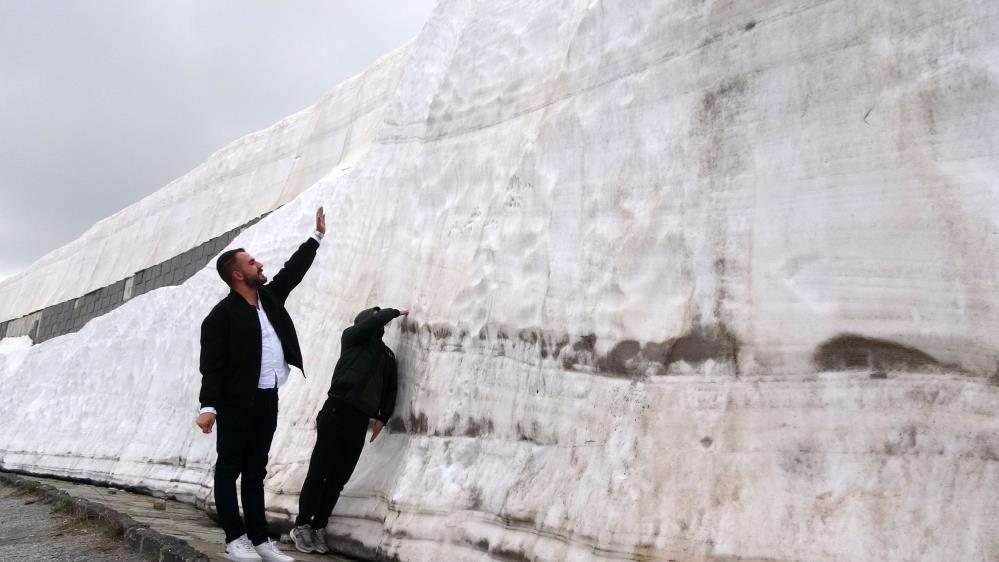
{"x": 690, "y": 280}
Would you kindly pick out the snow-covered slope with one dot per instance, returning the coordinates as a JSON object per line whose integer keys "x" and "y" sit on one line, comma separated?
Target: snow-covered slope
{"x": 244, "y": 180}
{"x": 690, "y": 280}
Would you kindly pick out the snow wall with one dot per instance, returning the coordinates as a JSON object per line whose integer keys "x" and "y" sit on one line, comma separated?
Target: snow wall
{"x": 691, "y": 281}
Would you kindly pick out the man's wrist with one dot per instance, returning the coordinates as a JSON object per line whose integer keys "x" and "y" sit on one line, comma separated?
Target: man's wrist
{"x": 317, "y": 236}
{"x": 208, "y": 410}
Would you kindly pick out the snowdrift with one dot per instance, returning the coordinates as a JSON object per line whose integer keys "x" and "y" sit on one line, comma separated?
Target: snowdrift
{"x": 689, "y": 280}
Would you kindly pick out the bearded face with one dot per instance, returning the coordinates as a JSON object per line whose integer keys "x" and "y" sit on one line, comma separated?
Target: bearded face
{"x": 251, "y": 270}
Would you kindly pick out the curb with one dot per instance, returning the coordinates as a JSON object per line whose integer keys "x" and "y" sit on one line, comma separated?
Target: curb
{"x": 139, "y": 537}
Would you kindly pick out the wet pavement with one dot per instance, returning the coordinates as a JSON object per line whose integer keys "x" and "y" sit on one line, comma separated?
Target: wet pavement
{"x": 175, "y": 519}
{"x": 31, "y": 530}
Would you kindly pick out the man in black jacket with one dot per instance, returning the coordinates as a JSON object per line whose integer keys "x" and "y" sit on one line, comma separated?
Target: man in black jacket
{"x": 247, "y": 342}
{"x": 364, "y": 386}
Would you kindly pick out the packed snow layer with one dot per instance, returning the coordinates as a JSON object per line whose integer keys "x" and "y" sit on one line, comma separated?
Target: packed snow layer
{"x": 12, "y": 353}
{"x": 689, "y": 281}
{"x": 244, "y": 180}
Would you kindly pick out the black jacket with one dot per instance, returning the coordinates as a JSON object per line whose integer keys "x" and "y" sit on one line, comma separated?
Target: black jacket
{"x": 365, "y": 376}
{"x": 230, "y": 335}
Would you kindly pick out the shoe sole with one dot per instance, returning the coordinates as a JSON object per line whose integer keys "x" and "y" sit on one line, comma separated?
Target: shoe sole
{"x": 227, "y": 556}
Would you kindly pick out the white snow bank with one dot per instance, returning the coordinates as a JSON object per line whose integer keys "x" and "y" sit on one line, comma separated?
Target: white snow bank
{"x": 12, "y": 353}
{"x": 240, "y": 182}
{"x": 12, "y": 345}
{"x": 691, "y": 281}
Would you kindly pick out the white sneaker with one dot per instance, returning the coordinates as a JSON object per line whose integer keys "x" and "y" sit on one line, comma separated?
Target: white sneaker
{"x": 242, "y": 550}
{"x": 269, "y": 552}
{"x": 319, "y": 541}
{"x": 302, "y": 537}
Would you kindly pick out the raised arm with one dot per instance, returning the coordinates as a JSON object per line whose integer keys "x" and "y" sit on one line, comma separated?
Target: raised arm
{"x": 298, "y": 264}
{"x": 359, "y": 333}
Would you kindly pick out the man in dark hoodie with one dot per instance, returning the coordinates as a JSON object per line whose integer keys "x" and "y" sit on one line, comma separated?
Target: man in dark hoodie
{"x": 364, "y": 387}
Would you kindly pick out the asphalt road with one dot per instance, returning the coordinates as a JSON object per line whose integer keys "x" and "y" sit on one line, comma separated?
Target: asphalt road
{"x": 31, "y": 531}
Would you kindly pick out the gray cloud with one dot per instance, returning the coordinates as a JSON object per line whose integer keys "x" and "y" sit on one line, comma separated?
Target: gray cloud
{"x": 102, "y": 103}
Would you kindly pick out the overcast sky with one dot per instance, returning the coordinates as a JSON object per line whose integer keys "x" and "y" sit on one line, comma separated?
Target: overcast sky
{"x": 105, "y": 101}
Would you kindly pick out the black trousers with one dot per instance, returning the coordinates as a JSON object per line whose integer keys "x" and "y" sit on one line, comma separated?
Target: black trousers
{"x": 340, "y": 433}
{"x": 243, "y": 442}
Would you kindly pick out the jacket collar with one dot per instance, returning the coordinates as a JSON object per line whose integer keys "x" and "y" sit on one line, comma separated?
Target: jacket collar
{"x": 234, "y": 299}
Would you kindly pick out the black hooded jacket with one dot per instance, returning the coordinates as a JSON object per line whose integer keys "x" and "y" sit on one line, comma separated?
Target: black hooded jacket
{"x": 365, "y": 376}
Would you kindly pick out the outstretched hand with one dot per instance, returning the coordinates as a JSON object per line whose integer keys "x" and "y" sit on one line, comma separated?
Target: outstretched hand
{"x": 320, "y": 221}
{"x": 403, "y": 312}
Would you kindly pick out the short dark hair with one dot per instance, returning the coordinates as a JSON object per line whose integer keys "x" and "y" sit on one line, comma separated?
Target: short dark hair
{"x": 226, "y": 264}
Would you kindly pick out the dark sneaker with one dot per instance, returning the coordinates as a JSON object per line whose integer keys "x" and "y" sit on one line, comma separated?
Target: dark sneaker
{"x": 302, "y": 535}
{"x": 319, "y": 541}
